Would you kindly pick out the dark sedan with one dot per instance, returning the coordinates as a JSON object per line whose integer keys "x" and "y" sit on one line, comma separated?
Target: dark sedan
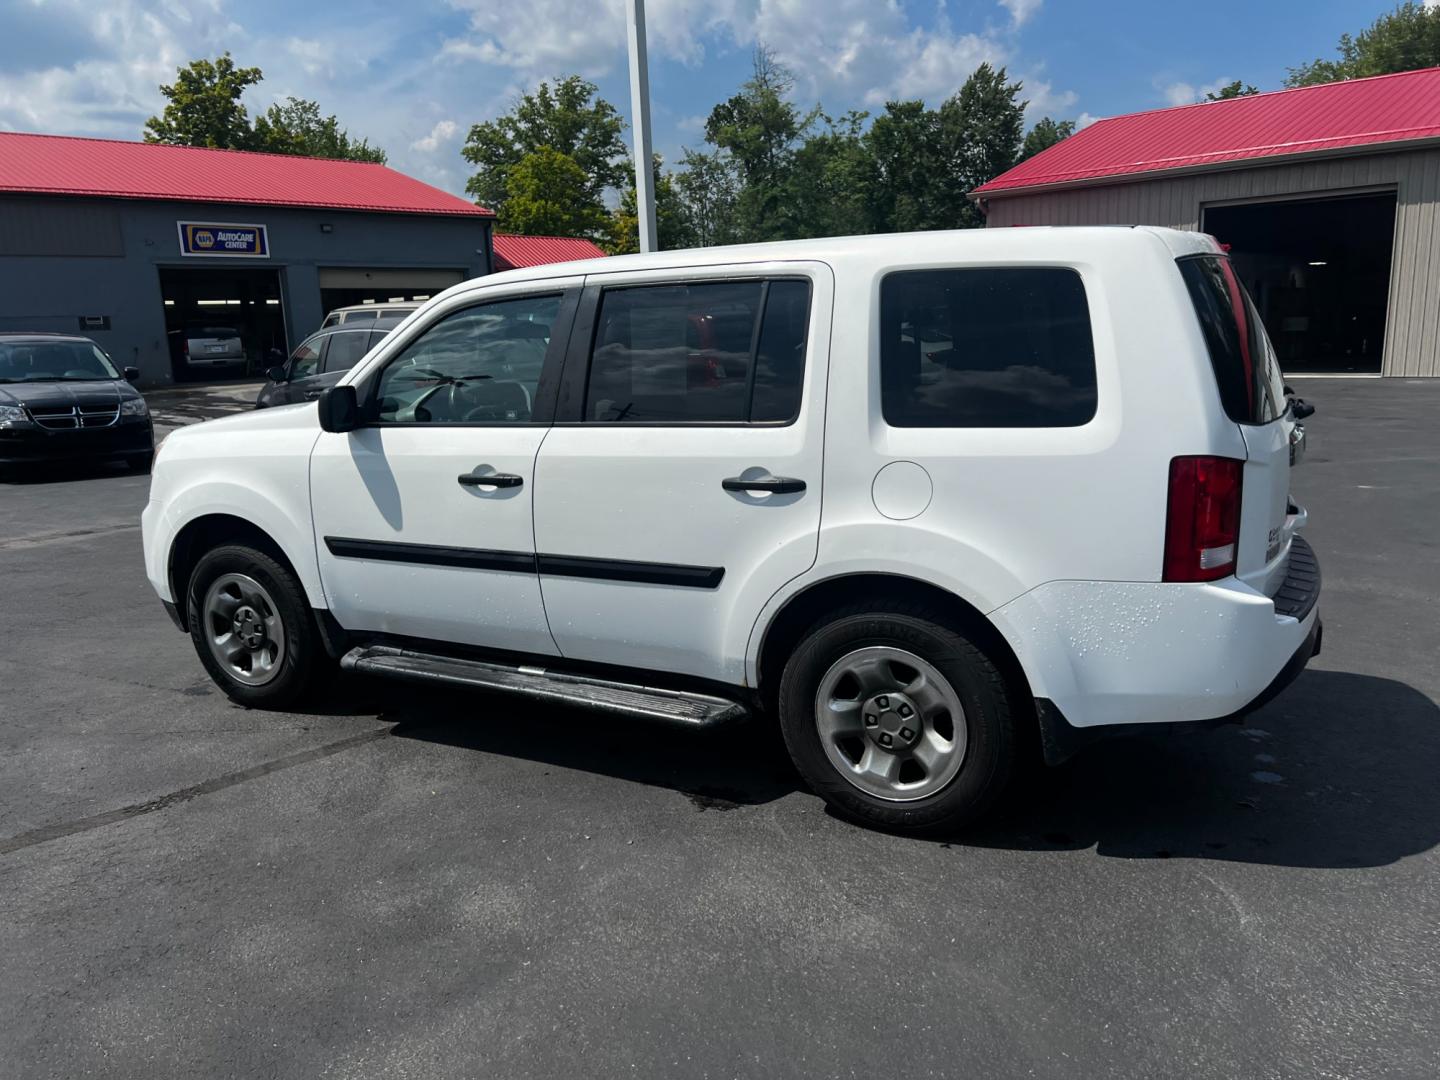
{"x": 61, "y": 398}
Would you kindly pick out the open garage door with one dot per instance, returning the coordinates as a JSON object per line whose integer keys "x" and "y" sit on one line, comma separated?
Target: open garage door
{"x": 341, "y": 286}
{"x": 206, "y": 310}
{"x": 1319, "y": 270}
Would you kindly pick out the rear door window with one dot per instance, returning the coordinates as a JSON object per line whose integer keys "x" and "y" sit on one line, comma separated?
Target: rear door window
{"x": 346, "y": 349}
{"x": 705, "y": 352}
{"x": 986, "y": 347}
{"x": 1252, "y": 388}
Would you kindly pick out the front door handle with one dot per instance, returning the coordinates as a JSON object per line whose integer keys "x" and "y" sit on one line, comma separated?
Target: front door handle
{"x": 779, "y": 485}
{"x": 499, "y": 480}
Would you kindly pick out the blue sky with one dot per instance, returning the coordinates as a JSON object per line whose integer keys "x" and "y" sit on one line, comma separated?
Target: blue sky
{"x": 412, "y": 77}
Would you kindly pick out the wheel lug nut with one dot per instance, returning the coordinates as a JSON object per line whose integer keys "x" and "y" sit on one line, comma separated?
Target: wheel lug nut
{"x": 885, "y": 740}
{"x": 906, "y": 733}
{"x": 871, "y": 720}
{"x": 904, "y": 710}
{"x": 883, "y": 702}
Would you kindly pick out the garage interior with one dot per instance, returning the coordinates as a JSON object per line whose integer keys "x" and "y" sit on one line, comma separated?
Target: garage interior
{"x": 1319, "y": 271}
{"x": 343, "y": 285}
{"x": 247, "y": 300}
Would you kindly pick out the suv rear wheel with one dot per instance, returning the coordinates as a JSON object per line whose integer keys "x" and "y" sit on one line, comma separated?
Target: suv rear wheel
{"x": 897, "y": 720}
{"x": 252, "y": 627}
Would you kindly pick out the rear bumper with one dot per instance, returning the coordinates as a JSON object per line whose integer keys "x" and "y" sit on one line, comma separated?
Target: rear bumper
{"x": 1106, "y": 654}
{"x": 38, "y": 444}
{"x": 1059, "y": 739}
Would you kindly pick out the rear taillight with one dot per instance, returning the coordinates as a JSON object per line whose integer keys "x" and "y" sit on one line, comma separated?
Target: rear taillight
{"x": 1202, "y": 521}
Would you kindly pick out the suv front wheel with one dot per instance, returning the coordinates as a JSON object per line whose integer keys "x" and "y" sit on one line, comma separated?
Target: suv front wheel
{"x": 252, "y": 627}
{"x": 897, "y": 720}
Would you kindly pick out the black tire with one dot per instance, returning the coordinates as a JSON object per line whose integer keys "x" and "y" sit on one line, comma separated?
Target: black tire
{"x": 989, "y": 754}
{"x": 140, "y": 463}
{"x": 303, "y": 658}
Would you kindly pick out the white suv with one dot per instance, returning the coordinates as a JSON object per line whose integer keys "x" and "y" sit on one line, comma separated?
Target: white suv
{"x": 930, "y": 501}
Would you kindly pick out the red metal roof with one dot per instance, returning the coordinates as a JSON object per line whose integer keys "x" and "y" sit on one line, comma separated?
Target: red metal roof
{"x": 1310, "y": 120}
{"x": 512, "y": 251}
{"x": 62, "y": 165}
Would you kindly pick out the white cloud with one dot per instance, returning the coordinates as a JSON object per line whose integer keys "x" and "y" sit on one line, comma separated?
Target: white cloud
{"x": 1021, "y": 10}
{"x": 1085, "y": 119}
{"x": 128, "y": 50}
{"x": 1183, "y": 93}
{"x": 442, "y": 133}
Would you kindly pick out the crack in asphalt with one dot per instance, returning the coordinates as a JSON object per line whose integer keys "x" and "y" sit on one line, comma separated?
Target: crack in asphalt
{"x": 47, "y": 833}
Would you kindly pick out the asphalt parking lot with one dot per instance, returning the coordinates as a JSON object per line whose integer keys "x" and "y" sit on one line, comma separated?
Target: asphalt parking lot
{"x": 421, "y": 884}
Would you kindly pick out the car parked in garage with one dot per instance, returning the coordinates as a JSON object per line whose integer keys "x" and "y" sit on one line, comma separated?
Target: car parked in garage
{"x": 63, "y": 398}
{"x": 200, "y": 347}
{"x": 932, "y": 502}
{"x": 320, "y": 361}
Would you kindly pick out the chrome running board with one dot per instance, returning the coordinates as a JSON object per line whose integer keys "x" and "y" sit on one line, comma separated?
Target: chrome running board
{"x": 601, "y": 695}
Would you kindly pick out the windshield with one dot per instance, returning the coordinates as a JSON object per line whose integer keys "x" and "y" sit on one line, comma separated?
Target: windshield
{"x": 50, "y": 361}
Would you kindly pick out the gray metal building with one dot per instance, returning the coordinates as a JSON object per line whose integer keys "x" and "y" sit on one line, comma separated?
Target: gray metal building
{"x": 1328, "y": 199}
{"x": 132, "y": 244}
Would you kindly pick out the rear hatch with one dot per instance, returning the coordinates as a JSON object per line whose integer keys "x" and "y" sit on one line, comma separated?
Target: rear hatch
{"x": 1252, "y": 391}
{"x": 215, "y": 343}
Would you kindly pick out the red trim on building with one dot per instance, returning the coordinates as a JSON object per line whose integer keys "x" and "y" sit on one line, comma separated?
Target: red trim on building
{"x": 512, "y": 252}
{"x": 1310, "y": 120}
{"x": 108, "y": 168}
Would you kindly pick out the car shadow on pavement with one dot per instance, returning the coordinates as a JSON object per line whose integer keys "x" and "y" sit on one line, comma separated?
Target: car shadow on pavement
{"x": 1340, "y": 771}
{"x": 63, "y": 472}
{"x": 738, "y": 764}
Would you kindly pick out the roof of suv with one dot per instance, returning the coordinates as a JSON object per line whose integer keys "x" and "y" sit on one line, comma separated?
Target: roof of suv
{"x": 899, "y": 249}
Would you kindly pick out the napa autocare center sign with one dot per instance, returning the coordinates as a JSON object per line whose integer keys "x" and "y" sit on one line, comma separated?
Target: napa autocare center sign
{"x": 226, "y": 239}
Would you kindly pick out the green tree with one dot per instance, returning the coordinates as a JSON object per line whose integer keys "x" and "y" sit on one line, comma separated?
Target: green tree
{"x": 1402, "y": 40}
{"x": 1231, "y": 90}
{"x": 672, "y": 224}
{"x": 296, "y": 127}
{"x": 203, "y": 106}
{"x": 828, "y": 182}
{"x": 1045, "y": 134}
{"x": 707, "y": 189}
{"x": 568, "y": 118}
{"x": 979, "y": 139}
{"x": 760, "y": 128}
{"x": 903, "y": 184}
{"x": 547, "y": 194}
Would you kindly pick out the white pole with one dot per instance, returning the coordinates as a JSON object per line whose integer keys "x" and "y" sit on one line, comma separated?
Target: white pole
{"x": 640, "y": 115}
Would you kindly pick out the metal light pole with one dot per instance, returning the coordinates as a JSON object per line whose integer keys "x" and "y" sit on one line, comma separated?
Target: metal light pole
{"x": 640, "y": 115}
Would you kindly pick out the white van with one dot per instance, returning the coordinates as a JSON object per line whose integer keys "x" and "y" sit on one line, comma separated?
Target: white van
{"x": 929, "y": 502}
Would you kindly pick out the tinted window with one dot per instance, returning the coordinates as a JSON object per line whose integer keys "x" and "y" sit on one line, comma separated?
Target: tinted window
{"x": 376, "y": 336}
{"x": 1003, "y": 347}
{"x": 364, "y": 315}
{"x": 691, "y": 353}
{"x": 478, "y": 365}
{"x": 345, "y": 350}
{"x": 333, "y": 319}
{"x": 1246, "y": 371}
{"x": 306, "y": 359}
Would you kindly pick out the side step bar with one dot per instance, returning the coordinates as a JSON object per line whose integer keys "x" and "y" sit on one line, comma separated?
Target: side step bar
{"x": 624, "y": 699}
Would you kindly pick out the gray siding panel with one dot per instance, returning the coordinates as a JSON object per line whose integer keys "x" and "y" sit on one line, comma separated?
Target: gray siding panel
{"x": 1412, "y": 324}
{"x": 39, "y": 226}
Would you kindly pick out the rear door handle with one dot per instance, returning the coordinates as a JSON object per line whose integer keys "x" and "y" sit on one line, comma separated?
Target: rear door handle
{"x": 499, "y": 480}
{"x": 779, "y": 485}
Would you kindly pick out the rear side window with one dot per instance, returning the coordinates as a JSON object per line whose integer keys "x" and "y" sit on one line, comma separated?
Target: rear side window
{"x": 722, "y": 351}
{"x": 986, "y": 347}
{"x": 363, "y": 315}
{"x": 1246, "y": 370}
{"x": 346, "y": 349}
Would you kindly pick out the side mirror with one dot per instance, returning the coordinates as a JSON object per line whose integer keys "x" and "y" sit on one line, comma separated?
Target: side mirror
{"x": 275, "y": 373}
{"x": 132, "y": 374}
{"x": 339, "y": 409}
